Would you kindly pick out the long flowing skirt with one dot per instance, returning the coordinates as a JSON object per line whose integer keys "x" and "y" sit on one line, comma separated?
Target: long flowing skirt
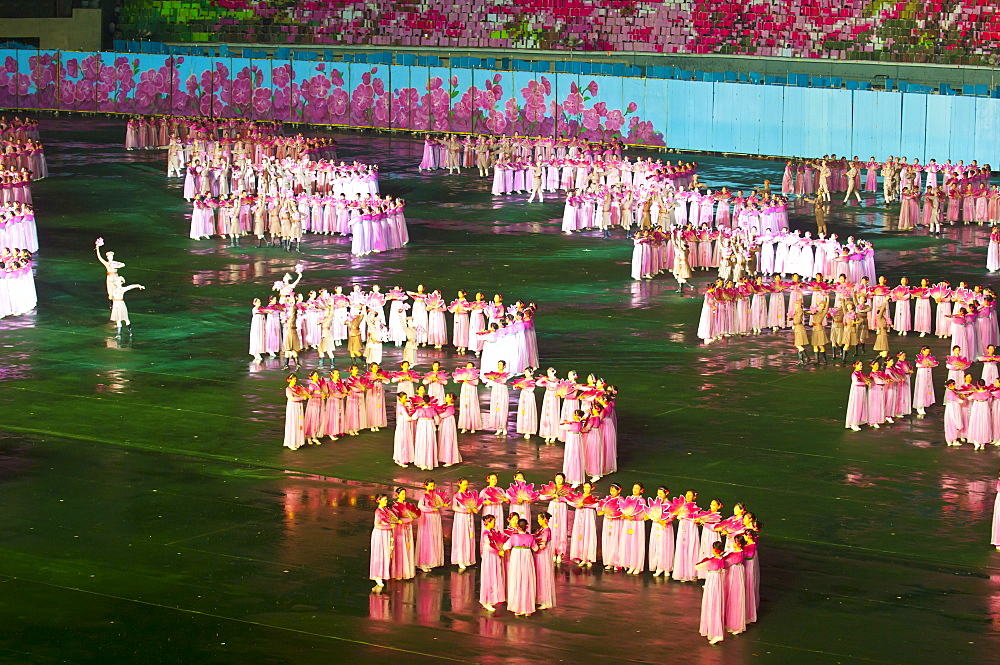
{"x": 583, "y": 541}
{"x": 661, "y": 547}
{"x": 521, "y": 582}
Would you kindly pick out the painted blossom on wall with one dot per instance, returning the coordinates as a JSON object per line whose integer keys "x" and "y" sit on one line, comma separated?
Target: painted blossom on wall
{"x": 320, "y": 93}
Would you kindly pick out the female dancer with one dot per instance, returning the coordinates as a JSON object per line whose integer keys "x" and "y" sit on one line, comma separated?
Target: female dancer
{"x": 557, "y": 493}
{"x": 521, "y": 576}
{"x": 923, "y": 392}
{"x": 460, "y": 308}
{"x": 548, "y": 427}
{"x": 686, "y": 552}
{"x": 295, "y": 395}
{"x": 430, "y": 538}
{"x": 583, "y": 540}
{"x": 735, "y": 588}
{"x": 545, "y": 581}
{"x": 465, "y": 504}
{"x": 499, "y": 399}
{"x": 492, "y": 587}
{"x": 403, "y": 561}
{"x": 376, "y": 379}
{"x": 119, "y": 312}
{"x": 633, "y": 537}
{"x": 381, "y": 543}
{"x": 402, "y": 440}
{"x": 448, "y": 453}
{"x": 312, "y": 422}
{"x": 527, "y": 409}
{"x": 713, "y": 599}
{"x": 954, "y": 416}
{"x": 469, "y": 414}
{"x": 661, "y": 536}
{"x": 425, "y": 444}
{"x": 801, "y": 339}
{"x": 857, "y": 401}
{"x": 612, "y": 527}
{"x": 573, "y": 453}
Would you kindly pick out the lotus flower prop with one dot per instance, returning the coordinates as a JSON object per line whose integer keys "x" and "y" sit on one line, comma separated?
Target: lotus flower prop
{"x": 463, "y": 374}
{"x": 407, "y": 376}
{"x": 436, "y": 500}
{"x": 470, "y": 501}
{"x": 522, "y": 493}
{"x": 633, "y": 508}
{"x": 391, "y": 516}
{"x": 566, "y": 389}
{"x": 658, "y": 510}
{"x": 582, "y": 500}
{"x": 522, "y": 384}
{"x": 685, "y": 509}
{"x": 497, "y": 539}
{"x": 608, "y": 506}
{"x": 406, "y": 510}
{"x": 940, "y": 291}
{"x": 494, "y": 495}
{"x": 99, "y": 242}
{"x": 708, "y": 517}
{"x": 730, "y": 526}
{"x": 551, "y": 492}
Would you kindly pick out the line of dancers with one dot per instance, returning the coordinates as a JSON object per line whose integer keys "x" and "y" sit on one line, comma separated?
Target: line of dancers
{"x": 290, "y": 322}
{"x": 448, "y": 151}
{"x": 226, "y": 173}
{"x": 17, "y": 226}
{"x": 15, "y": 186}
{"x": 254, "y": 145}
{"x": 518, "y": 563}
{"x": 832, "y": 173}
{"x": 146, "y": 132}
{"x": 966, "y": 314}
{"x": 20, "y": 147}
{"x": 737, "y": 254}
{"x": 375, "y": 224}
{"x": 513, "y": 175}
{"x": 17, "y": 282}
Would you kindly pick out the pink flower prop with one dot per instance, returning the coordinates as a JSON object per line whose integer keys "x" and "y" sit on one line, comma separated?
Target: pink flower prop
{"x": 494, "y": 495}
{"x": 549, "y": 491}
{"x": 522, "y": 493}
{"x": 940, "y": 291}
{"x": 471, "y": 501}
{"x": 99, "y": 242}
{"x": 609, "y": 507}
{"x": 583, "y": 500}
{"x": 497, "y": 539}
{"x": 633, "y": 508}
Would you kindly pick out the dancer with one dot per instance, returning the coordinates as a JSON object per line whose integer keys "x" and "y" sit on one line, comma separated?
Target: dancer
{"x": 545, "y": 582}
{"x": 119, "y": 312}
{"x": 583, "y": 541}
{"x": 521, "y": 577}
{"x": 713, "y": 597}
{"x": 381, "y": 542}
{"x": 492, "y": 586}
{"x": 110, "y": 266}
{"x": 430, "y": 538}
{"x": 465, "y": 504}
{"x": 294, "y": 416}
{"x": 499, "y": 399}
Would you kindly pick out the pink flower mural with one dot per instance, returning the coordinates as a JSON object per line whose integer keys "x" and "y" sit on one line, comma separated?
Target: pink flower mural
{"x": 318, "y": 93}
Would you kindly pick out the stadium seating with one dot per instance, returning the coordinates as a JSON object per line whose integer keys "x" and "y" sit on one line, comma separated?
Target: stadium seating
{"x": 961, "y": 31}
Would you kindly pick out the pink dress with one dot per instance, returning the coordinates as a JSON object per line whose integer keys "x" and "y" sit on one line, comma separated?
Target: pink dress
{"x": 633, "y": 544}
{"x": 312, "y": 423}
{"x": 736, "y": 593}
{"x": 593, "y": 448}
{"x": 611, "y": 531}
{"x": 402, "y": 563}
{"x": 559, "y": 526}
{"x": 527, "y": 409}
{"x": 573, "y": 453}
{"x": 545, "y": 577}
{"x": 661, "y": 547}
{"x": 713, "y": 599}
{"x": 686, "y": 552}
{"x": 923, "y": 391}
{"x": 402, "y": 442}
{"x": 294, "y": 433}
{"x": 521, "y": 582}
{"x": 425, "y": 446}
{"x": 857, "y": 402}
{"x": 980, "y": 427}
{"x": 430, "y": 538}
{"x": 463, "y": 532}
{"x": 492, "y": 588}
{"x": 448, "y": 453}
{"x": 499, "y": 401}
{"x": 548, "y": 427}
{"x": 381, "y": 545}
{"x": 954, "y": 418}
{"x": 583, "y": 540}
{"x": 469, "y": 415}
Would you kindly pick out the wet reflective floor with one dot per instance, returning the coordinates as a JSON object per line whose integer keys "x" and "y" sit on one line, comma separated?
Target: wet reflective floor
{"x": 151, "y": 515}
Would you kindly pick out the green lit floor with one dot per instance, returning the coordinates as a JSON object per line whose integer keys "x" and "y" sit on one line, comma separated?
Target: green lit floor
{"x": 151, "y": 515}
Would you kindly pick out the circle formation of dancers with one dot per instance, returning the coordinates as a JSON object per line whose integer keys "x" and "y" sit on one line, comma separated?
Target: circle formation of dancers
{"x": 520, "y": 555}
